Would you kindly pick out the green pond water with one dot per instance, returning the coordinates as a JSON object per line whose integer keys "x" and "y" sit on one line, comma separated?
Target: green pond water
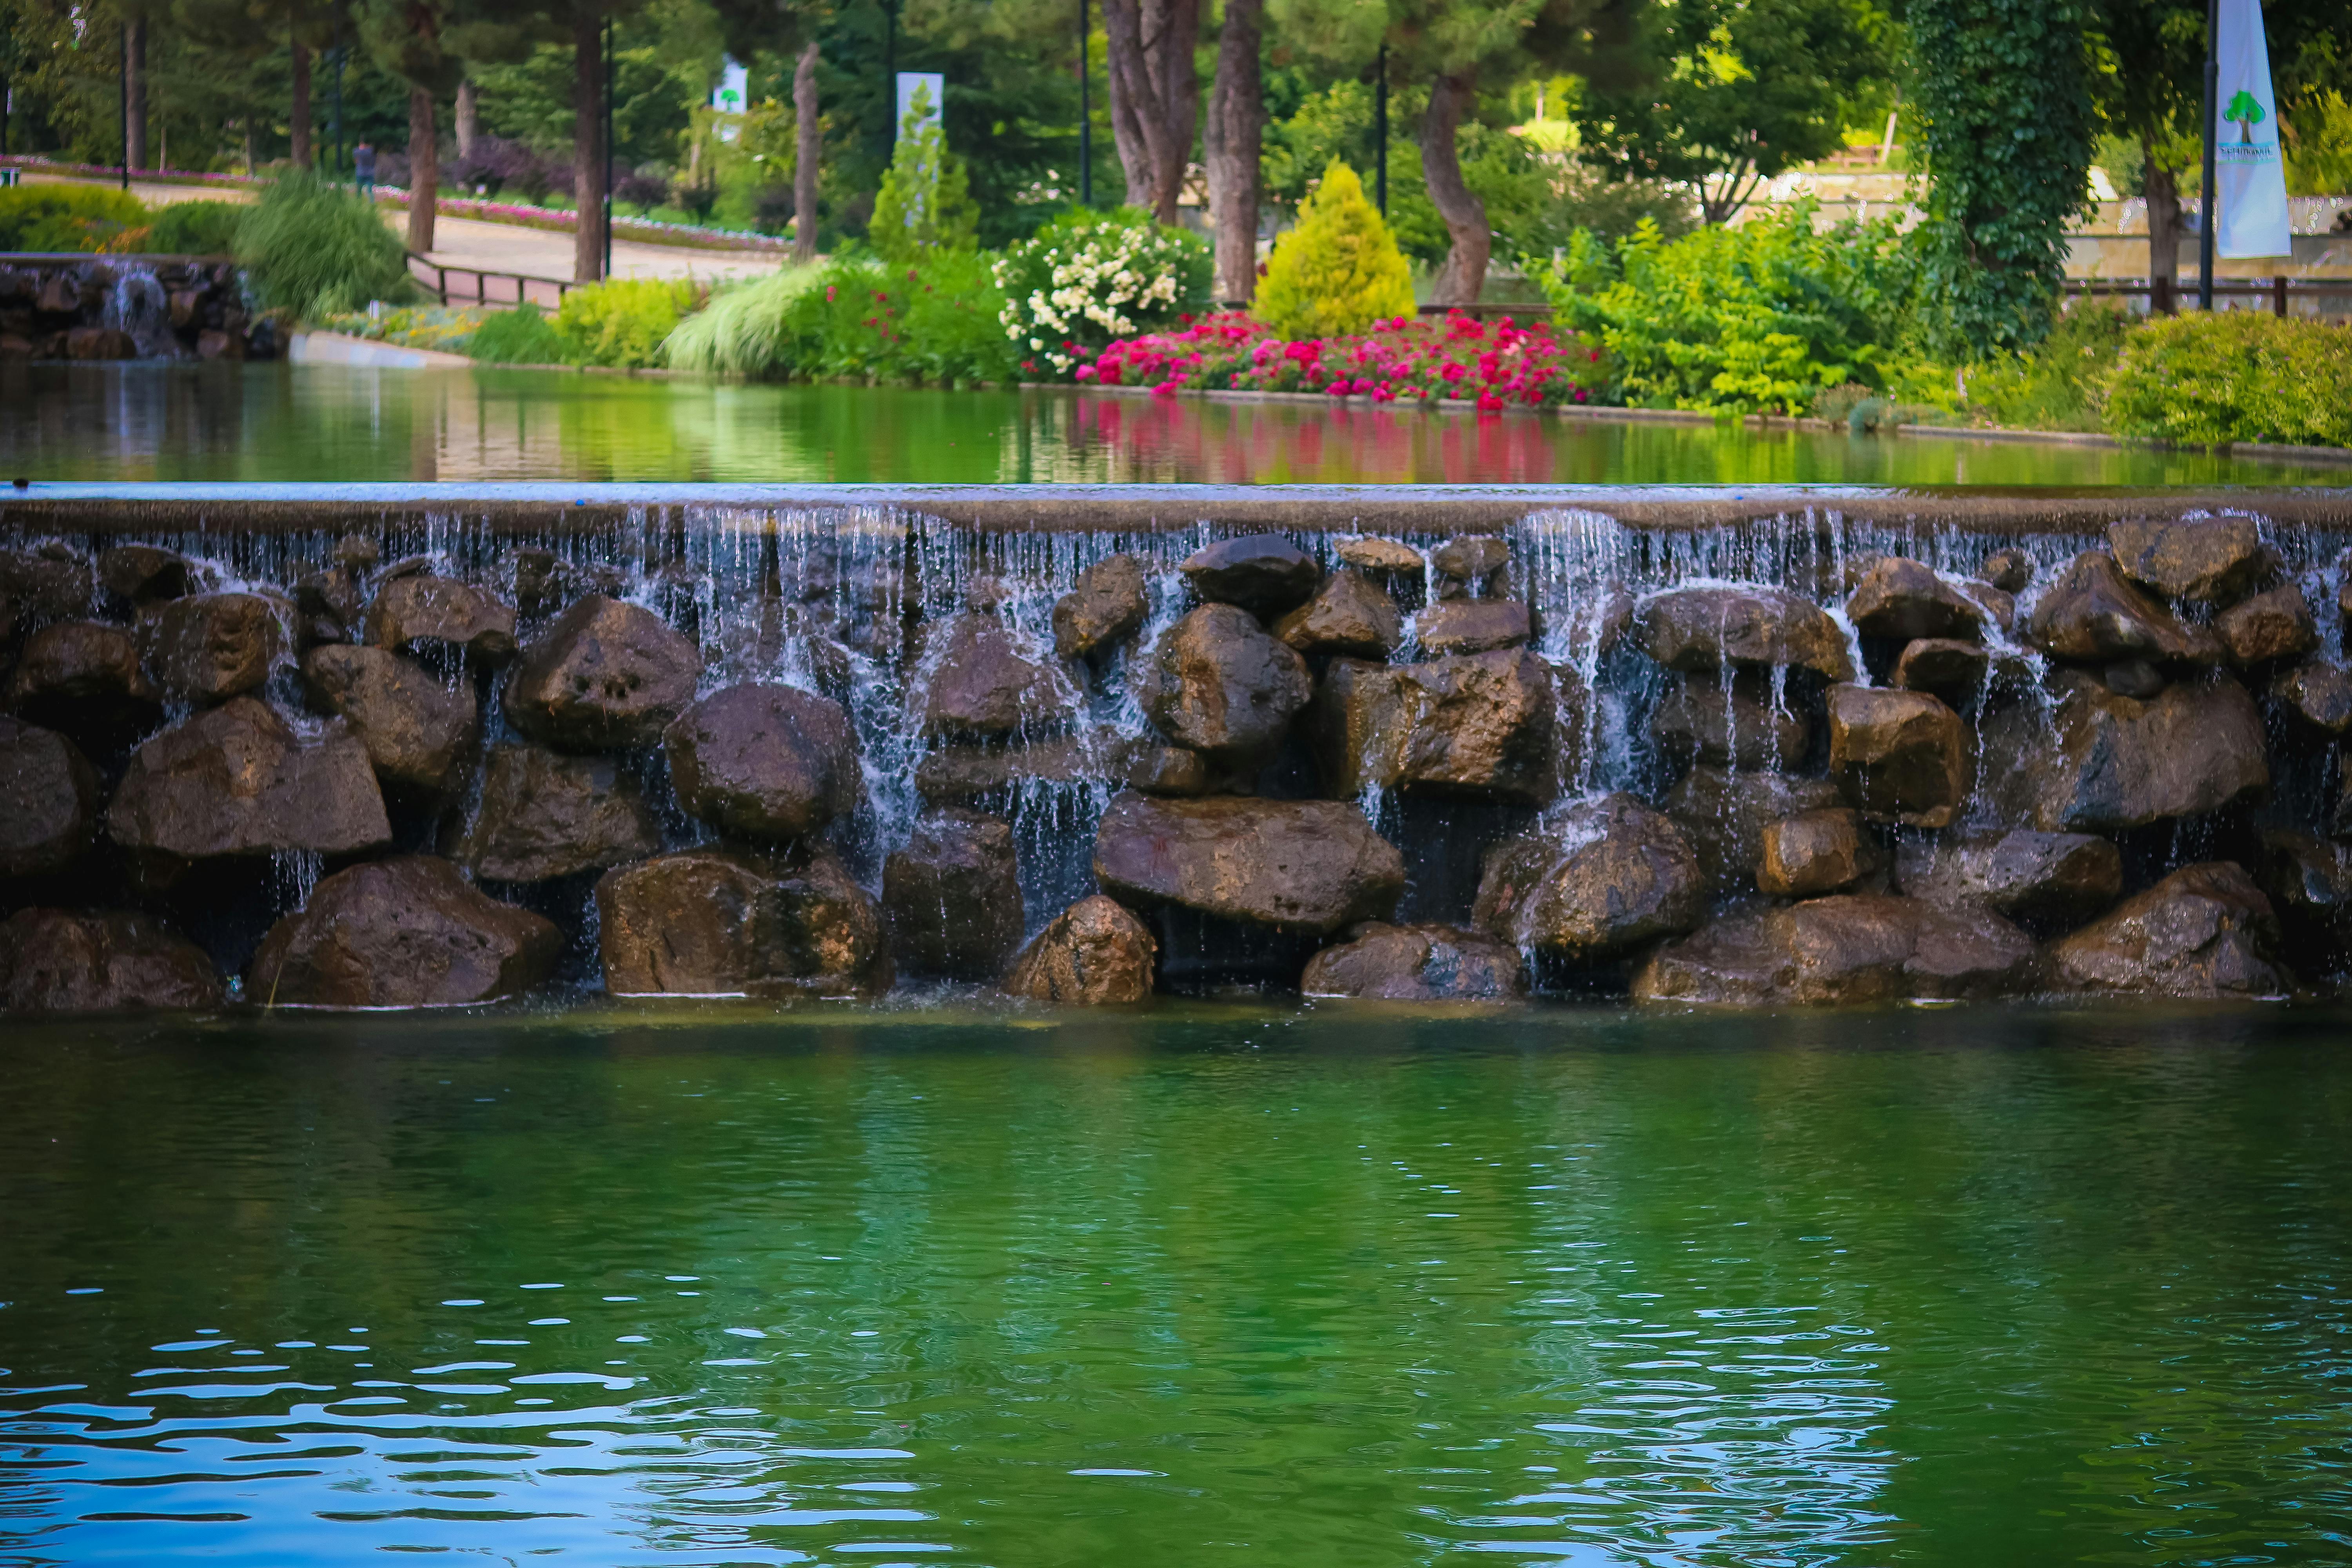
{"x": 1194, "y": 1287}
{"x": 282, "y": 422}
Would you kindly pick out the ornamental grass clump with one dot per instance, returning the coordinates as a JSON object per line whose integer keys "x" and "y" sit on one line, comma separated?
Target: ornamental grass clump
{"x": 316, "y": 251}
{"x": 1339, "y": 270}
{"x": 1089, "y": 278}
{"x": 2234, "y": 376}
{"x": 741, "y": 331}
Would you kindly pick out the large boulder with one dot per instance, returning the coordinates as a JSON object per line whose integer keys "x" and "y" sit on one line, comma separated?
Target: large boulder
{"x": 985, "y": 683}
{"x": 54, "y": 961}
{"x": 1416, "y": 964}
{"x": 424, "y": 611}
{"x": 420, "y": 730}
{"x": 1094, "y": 954}
{"x": 407, "y": 932}
{"x": 2204, "y": 930}
{"x": 604, "y": 676}
{"x": 148, "y": 573}
{"x": 1483, "y": 726}
{"x": 238, "y": 780}
{"x": 330, "y": 603}
{"x": 1902, "y": 598}
{"x": 208, "y": 647}
{"x": 1709, "y": 721}
{"x": 2317, "y": 693}
{"x": 1724, "y": 814}
{"x": 1699, "y": 630}
{"x": 1597, "y": 880}
{"x": 48, "y": 800}
{"x": 2309, "y": 881}
{"x": 720, "y": 923}
{"x": 2207, "y": 561}
{"x": 543, "y": 814}
{"x": 1307, "y": 866}
{"x": 1470, "y": 566}
{"x": 952, "y": 897}
{"x": 951, "y": 774}
{"x": 1899, "y": 756}
{"x": 1218, "y": 684}
{"x": 1349, "y": 614}
{"x": 2099, "y": 762}
{"x": 50, "y": 582}
{"x": 2020, "y": 872}
{"x": 2267, "y": 628}
{"x": 1453, "y": 627}
{"x": 1103, "y": 608}
{"x": 1390, "y": 560}
{"x": 86, "y": 680}
{"x": 1851, "y": 948}
{"x": 1264, "y": 574}
{"x": 2092, "y": 613}
{"x": 1816, "y": 852}
{"x": 765, "y": 763}
{"x": 1951, "y": 668}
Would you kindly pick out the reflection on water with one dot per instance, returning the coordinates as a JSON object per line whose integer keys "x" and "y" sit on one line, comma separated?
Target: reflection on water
{"x": 331, "y": 422}
{"x": 1211, "y": 1286}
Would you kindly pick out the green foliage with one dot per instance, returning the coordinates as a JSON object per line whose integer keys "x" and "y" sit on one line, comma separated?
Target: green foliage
{"x": 935, "y": 323}
{"x": 624, "y": 323}
{"x": 925, "y": 204}
{"x": 2235, "y": 376}
{"x": 1086, "y": 278}
{"x": 2056, "y": 385}
{"x": 741, "y": 331}
{"x": 1338, "y": 271}
{"x": 2318, "y": 134}
{"x": 519, "y": 336}
{"x": 55, "y": 217}
{"x": 195, "y": 228}
{"x": 315, "y": 249}
{"x": 1762, "y": 317}
{"x": 441, "y": 328}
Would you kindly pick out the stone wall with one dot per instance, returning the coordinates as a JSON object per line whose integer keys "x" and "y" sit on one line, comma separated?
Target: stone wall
{"x": 832, "y": 753}
{"x": 129, "y": 306}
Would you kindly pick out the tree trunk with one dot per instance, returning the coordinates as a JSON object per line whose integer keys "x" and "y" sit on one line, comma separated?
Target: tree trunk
{"x": 1463, "y": 277}
{"x": 2162, "y": 188}
{"x": 424, "y": 168}
{"x": 1236, "y": 130}
{"x": 1122, "y": 28}
{"x": 135, "y": 89}
{"x": 297, "y": 113}
{"x": 250, "y": 150}
{"x": 469, "y": 116}
{"x": 807, "y": 148}
{"x": 588, "y": 145}
{"x": 1155, "y": 96}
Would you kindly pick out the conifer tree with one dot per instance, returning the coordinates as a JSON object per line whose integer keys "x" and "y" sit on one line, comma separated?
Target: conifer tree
{"x": 925, "y": 203}
{"x": 1339, "y": 270}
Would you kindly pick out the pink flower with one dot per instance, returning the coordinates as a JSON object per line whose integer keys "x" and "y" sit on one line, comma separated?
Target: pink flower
{"x": 1084, "y": 373}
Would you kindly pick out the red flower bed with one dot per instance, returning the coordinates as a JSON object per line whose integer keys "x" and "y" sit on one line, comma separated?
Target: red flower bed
{"x": 1496, "y": 364}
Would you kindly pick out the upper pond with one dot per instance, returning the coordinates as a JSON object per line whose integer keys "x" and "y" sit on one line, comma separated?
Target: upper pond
{"x": 326, "y": 422}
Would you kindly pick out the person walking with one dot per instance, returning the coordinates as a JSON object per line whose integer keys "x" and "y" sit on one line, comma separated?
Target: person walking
{"x": 364, "y": 170}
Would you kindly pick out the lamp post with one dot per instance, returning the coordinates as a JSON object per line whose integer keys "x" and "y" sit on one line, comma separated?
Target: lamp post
{"x": 1086, "y": 112}
{"x": 2205, "y": 197}
{"x": 122, "y": 96}
{"x": 1381, "y": 133}
{"x": 608, "y": 144}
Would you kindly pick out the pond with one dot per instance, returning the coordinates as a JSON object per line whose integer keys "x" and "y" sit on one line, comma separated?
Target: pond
{"x": 1222, "y": 1284}
{"x": 327, "y": 422}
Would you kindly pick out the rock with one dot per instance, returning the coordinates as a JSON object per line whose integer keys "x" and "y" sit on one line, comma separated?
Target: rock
{"x": 1471, "y": 566}
{"x": 985, "y": 685}
{"x": 99, "y": 343}
{"x": 1385, "y": 557}
{"x": 1700, "y": 630}
{"x": 2104, "y": 763}
{"x": 1349, "y": 614}
{"x": 87, "y": 680}
{"x": 2268, "y": 626}
{"x": 2007, "y": 570}
{"x": 55, "y": 962}
{"x": 2309, "y": 881}
{"x": 1597, "y": 880}
{"x": 331, "y": 603}
{"x": 147, "y": 573}
{"x": 2207, "y": 561}
{"x": 1166, "y": 770}
{"x": 1094, "y": 954}
{"x": 1483, "y": 726}
{"x": 410, "y": 612}
{"x": 1105, "y": 608}
{"x": 720, "y": 923}
{"x": 1700, "y": 720}
{"x": 1310, "y": 867}
{"x": 210, "y": 646}
{"x": 2091, "y": 614}
{"x": 419, "y": 731}
{"x": 2020, "y": 873}
{"x": 952, "y": 897}
{"x": 1723, "y": 814}
{"x": 1815, "y": 852}
{"x": 1952, "y": 670}
{"x": 1902, "y": 598}
{"x": 48, "y": 583}
{"x": 2132, "y": 678}
{"x": 1850, "y": 947}
{"x": 1999, "y": 609}
{"x": 765, "y": 763}
{"x": 1470, "y": 626}
{"x": 1899, "y": 756}
{"x": 2319, "y": 693}
{"x": 1218, "y": 684}
{"x": 237, "y": 780}
{"x": 1416, "y": 964}
{"x": 604, "y": 676}
{"x": 543, "y": 814}
{"x": 48, "y": 800}
{"x": 2204, "y": 930}
{"x": 407, "y": 932}
{"x": 1265, "y": 573}
{"x": 953, "y": 773}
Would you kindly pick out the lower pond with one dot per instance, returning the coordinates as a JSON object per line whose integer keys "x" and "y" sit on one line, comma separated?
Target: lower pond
{"x": 282, "y": 422}
{"x": 1198, "y": 1286}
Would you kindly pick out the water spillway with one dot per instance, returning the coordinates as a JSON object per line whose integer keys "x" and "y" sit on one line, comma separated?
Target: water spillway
{"x": 393, "y": 746}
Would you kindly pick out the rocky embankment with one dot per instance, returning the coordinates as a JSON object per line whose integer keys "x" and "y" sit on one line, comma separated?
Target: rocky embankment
{"x": 130, "y": 309}
{"x": 424, "y": 783}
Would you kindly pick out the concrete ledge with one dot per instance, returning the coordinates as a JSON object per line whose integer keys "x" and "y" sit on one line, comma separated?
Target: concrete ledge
{"x": 335, "y": 348}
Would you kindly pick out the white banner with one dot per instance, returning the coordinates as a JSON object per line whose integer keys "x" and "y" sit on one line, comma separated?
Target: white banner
{"x": 2249, "y": 184}
{"x": 932, "y": 85}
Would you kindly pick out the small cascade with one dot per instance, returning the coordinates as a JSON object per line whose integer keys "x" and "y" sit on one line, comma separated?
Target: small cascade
{"x": 140, "y": 306}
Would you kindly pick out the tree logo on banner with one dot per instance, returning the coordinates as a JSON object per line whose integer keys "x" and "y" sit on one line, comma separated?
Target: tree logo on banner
{"x": 2245, "y": 112}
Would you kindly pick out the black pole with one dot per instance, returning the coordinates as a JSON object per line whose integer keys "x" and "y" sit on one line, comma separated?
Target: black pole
{"x": 335, "y": 107}
{"x": 1381, "y": 133}
{"x": 890, "y": 75}
{"x": 608, "y": 144}
{"x": 1086, "y": 112}
{"x": 2205, "y": 201}
{"x": 124, "y": 93}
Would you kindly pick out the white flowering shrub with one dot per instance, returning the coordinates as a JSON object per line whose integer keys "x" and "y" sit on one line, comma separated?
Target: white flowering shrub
{"x": 1090, "y": 278}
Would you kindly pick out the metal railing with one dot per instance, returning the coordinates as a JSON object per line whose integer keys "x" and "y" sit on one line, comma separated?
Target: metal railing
{"x": 527, "y": 288}
{"x": 2168, "y": 294}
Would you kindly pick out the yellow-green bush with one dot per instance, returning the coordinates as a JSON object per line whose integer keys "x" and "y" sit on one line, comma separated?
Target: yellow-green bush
{"x": 54, "y": 216}
{"x": 624, "y": 321}
{"x": 1339, "y": 270}
{"x": 2235, "y": 376}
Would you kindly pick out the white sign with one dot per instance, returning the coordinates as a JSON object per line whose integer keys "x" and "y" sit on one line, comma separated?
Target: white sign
{"x": 932, "y": 85}
{"x": 734, "y": 89}
{"x": 2250, "y": 181}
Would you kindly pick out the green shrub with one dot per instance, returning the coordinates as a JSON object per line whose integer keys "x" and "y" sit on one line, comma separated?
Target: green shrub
{"x": 315, "y": 249}
{"x": 624, "y": 321}
{"x": 856, "y": 319}
{"x": 519, "y": 336}
{"x": 741, "y": 331}
{"x": 1089, "y": 277}
{"x": 1339, "y": 270}
{"x": 2054, "y": 385}
{"x": 49, "y": 216}
{"x": 197, "y": 228}
{"x": 2234, "y": 376}
{"x": 925, "y": 204}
